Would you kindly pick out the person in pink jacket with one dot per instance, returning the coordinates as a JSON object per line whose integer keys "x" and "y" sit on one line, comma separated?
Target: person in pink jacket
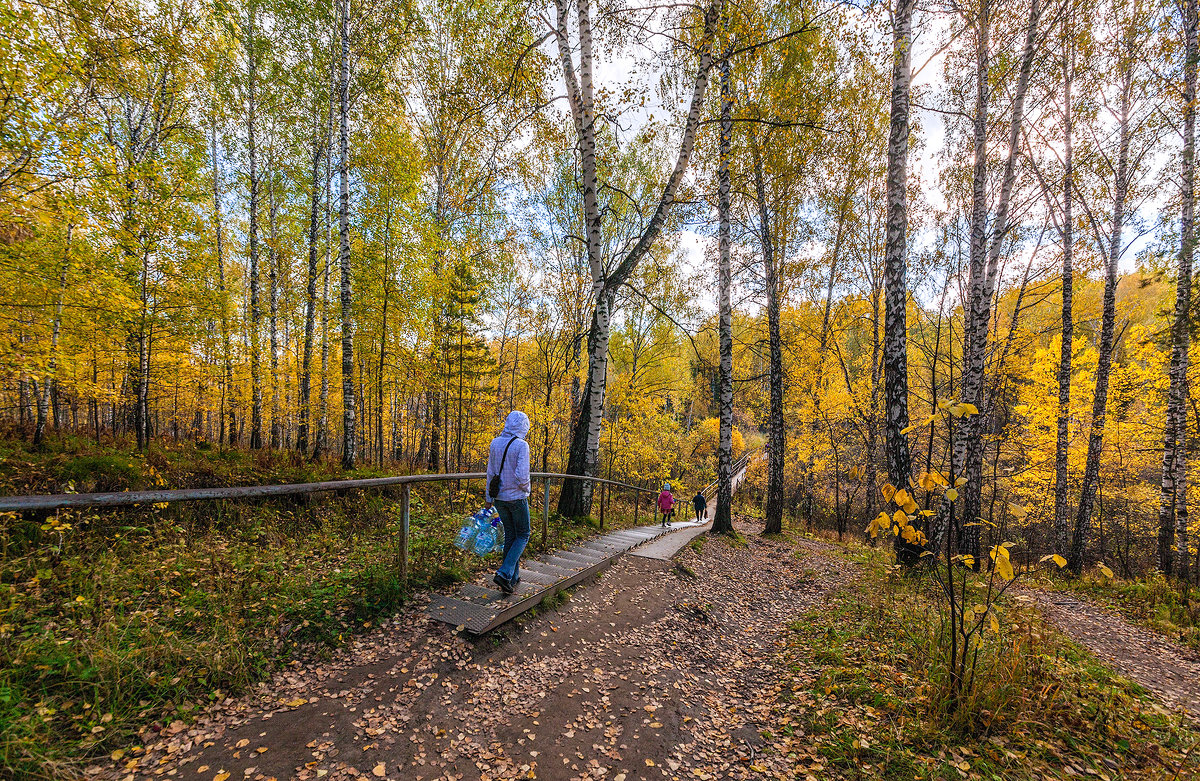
{"x": 666, "y": 504}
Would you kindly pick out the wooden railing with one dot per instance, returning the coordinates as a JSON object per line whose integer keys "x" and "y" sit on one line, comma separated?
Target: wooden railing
{"x": 48, "y": 503}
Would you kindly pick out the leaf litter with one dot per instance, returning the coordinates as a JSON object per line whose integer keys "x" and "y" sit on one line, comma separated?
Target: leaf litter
{"x": 643, "y": 674}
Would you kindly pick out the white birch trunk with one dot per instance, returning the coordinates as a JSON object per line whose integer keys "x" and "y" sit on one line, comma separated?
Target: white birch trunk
{"x": 349, "y": 438}
{"x": 1173, "y": 511}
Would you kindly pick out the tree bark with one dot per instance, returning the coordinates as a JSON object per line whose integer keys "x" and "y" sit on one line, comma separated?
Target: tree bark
{"x": 39, "y": 432}
{"x": 310, "y": 300}
{"x": 776, "y": 438}
{"x": 723, "y": 519}
{"x": 349, "y": 440}
{"x": 575, "y": 500}
{"x": 1061, "y": 505}
{"x": 1173, "y": 511}
{"x": 256, "y": 401}
{"x": 895, "y": 265}
{"x": 984, "y": 265}
{"x": 1091, "y": 472}
{"x": 273, "y": 282}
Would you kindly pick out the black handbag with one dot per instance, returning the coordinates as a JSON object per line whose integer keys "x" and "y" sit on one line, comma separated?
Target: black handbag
{"x": 494, "y": 483}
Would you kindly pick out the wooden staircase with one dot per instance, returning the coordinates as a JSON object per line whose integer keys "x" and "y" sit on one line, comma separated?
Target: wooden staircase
{"x": 478, "y": 609}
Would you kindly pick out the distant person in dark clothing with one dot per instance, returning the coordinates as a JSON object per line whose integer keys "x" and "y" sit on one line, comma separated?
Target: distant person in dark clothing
{"x": 701, "y": 505}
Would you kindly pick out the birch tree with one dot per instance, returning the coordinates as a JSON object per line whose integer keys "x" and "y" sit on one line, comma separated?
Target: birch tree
{"x": 349, "y": 437}
{"x": 986, "y": 248}
{"x": 1133, "y": 115}
{"x": 895, "y": 341}
{"x": 1173, "y": 510}
{"x": 607, "y": 279}
{"x": 1066, "y": 229}
{"x": 723, "y": 519}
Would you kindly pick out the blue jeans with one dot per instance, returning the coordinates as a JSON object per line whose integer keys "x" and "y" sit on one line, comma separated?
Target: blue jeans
{"x": 514, "y": 515}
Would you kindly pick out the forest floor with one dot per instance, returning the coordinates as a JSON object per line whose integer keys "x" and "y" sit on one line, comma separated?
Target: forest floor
{"x": 697, "y": 668}
{"x": 1170, "y": 670}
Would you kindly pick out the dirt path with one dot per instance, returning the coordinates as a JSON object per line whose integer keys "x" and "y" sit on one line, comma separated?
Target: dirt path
{"x": 1170, "y": 671}
{"x": 657, "y": 670}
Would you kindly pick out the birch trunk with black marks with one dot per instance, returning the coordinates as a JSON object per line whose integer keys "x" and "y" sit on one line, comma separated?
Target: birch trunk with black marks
{"x": 1091, "y": 472}
{"x": 310, "y": 300}
{"x": 1067, "y": 230}
{"x": 575, "y": 500}
{"x": 256, "y": 400}
{"x": 321, "y": 440}
{"x": 383, "y": 322}
{"x": 273, "y": 282}
{"x": 723, "y": 519}
{"x": 895, "y": 264}
{"x": 983, "y": 271}
{"x": 1173, "y": 512}
{"x": 226, "y": 348}
{"x": 349, "y": 438}
{"x": 776, "y": 440}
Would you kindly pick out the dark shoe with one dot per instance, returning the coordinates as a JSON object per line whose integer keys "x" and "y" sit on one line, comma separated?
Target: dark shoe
{"x": 504, "y": 585}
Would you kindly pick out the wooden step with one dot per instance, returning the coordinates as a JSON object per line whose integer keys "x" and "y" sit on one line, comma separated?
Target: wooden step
{"x": 480, "y": 609}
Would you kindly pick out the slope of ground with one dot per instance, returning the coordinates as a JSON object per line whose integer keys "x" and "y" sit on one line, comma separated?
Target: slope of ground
{"x": 696, "y": 669}
{"x": 1168, "y": 669}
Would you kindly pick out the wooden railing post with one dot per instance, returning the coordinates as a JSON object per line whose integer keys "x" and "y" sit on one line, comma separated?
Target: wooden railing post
{"x": 603, "y": 496}
{"x": 637, "y": 506}
{"x": 545, "y": 511}
{"x": 405, "y": 504}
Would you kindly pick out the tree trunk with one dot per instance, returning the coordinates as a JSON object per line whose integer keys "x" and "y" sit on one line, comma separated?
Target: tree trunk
{"x": 256, "y": 438}
{"x": 310, "y": 301}
{"x": 982, "y": 276}
{"x": 349, "y": 439}
{"x": 723, "y": 519}
{"x": 383, "y": 334}
{"x": 1173, "y": 512}
{"x": 142, "y": 400}
{"x": 1091, "y": 472}
{"x": 273, "y": 281}
{"x": 776, "y": 438}
{"x": 895, "y": 264}
{"x": 575, "y": 498}
{"x": 39, "y": 433}
{"x": 1061, "y": 506}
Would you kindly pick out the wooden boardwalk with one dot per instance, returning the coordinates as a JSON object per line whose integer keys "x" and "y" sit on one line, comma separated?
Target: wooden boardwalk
{"x": 479, "y": 609}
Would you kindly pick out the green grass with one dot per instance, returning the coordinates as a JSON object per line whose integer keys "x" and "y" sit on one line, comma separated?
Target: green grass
{"x": 867, "y": 695}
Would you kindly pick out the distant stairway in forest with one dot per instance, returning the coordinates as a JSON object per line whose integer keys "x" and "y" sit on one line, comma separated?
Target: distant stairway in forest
{"x": 479, "y": 609}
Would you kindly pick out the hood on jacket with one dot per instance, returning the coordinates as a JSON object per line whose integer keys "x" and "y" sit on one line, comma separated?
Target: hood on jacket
{"x": 516, "y": 424}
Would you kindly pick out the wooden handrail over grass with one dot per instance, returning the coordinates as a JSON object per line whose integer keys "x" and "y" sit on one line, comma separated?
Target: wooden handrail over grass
{"x": 131, "y": 498}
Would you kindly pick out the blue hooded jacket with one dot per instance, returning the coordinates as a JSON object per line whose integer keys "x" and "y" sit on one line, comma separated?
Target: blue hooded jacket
{"x": 514, "y": 478}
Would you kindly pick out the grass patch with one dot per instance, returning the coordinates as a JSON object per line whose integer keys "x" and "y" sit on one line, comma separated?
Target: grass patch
{"x": 1043, "y": 707}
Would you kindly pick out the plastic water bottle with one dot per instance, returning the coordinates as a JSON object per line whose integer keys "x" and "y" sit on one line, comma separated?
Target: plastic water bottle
{"x": 468, "y": 533}
{"x": 498, "y": 547}
{"x": 485, "y": 538}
